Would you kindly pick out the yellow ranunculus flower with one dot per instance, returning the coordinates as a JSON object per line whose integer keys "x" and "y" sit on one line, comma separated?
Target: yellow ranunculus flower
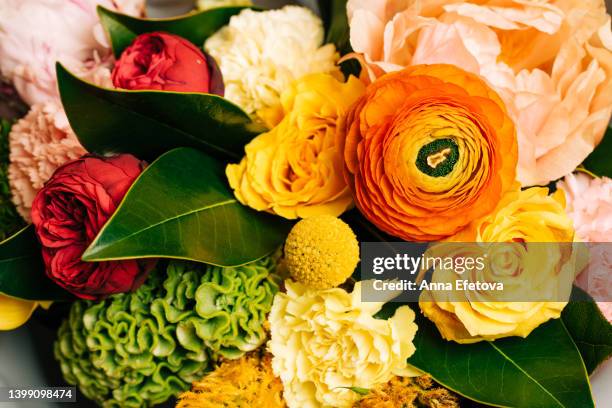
{"x": 15, "y": 312}
{"x": 536, "y": 264}
{"x": 326, "y": 341}
{"x": 295, "y": 169}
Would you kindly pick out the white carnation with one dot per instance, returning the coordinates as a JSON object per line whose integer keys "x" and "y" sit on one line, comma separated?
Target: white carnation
{"x": 261, "y": 53}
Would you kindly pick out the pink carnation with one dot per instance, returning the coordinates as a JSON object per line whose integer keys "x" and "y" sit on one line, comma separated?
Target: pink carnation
{"x": 589, "y": 204}
{"x": 35, "y": 34}
{"x": 39, "y": 143}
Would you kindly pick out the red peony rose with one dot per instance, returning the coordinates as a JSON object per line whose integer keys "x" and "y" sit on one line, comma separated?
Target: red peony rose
{"x": 166, "y": 62}
{"x": 68, "y": 213}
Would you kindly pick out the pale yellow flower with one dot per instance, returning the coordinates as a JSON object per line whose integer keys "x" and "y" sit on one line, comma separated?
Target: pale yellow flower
{"x": 261, "y": 53}
{"x": 550, "y": 60}
{"x": 295, "y": 169}
{"x": 15, "y": 312}
{"x": 536, "y": 264}
{"x": 210, "y": 4}
{"x": 325, "y": 341}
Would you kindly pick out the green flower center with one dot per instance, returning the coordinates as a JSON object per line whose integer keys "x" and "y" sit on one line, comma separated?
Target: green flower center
{"x": 438, "y": 158}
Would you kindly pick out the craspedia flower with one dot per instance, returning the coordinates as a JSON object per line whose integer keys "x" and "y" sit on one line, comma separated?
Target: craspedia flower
{"x": 246, "y": 382}
{"x": 321, "y": 252}
{"x": 141, "y": 348}
{"x": 295, "y": 169}
{"x": 261, "y": 53}
{"x": 427, "y": 150}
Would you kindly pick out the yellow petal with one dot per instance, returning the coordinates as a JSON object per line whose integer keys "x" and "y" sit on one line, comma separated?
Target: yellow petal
{"x": 14, "y": 312}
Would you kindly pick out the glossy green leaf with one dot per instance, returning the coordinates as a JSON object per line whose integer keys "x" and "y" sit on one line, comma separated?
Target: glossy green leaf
{"x": 195, "y": 27}
{"x": 599, "y": 162}
{"x": 590, "y": 330}
{"x": 542, "y": 371}
{"x": 22, "y": 272}
{"x": 337, "y": 31}
{"x": 149, "y": 123}
{"x": 181, "y": 207}
{"x": 10, "y": 220}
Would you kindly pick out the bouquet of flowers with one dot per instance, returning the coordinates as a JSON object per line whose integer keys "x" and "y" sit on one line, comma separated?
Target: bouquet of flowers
{"x": 198, "y": 189}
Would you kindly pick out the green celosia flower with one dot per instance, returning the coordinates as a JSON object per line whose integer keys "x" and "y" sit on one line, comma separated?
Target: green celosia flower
{"x": 10, "y": 221}
{"x": 139, "y": 349}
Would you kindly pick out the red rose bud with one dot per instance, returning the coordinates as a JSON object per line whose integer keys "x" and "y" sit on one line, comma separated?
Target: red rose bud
{"x": 69, "y": 212}
{"x": 166, "y": 62}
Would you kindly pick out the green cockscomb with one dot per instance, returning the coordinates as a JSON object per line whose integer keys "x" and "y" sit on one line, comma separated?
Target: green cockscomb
{"x": 140, "y": 349}
{"x": 10, "y": 221}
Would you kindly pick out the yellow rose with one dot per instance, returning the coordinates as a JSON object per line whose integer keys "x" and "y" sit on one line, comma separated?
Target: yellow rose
{"x": 295, "y": 169}
{"x": 325, "y": 341}
{"x": 536, "y": 264}
{"x": 15, "y": 312}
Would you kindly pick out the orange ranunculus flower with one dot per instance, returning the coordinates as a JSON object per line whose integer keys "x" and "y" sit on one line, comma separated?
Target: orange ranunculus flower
{"x": 427, "y": 150}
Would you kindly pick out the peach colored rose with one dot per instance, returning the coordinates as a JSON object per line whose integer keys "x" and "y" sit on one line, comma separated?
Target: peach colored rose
{"x": 39, "y": 143}
{"x": 550, "y": 60}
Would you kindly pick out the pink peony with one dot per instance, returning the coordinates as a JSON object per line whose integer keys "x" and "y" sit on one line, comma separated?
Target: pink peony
{"x": 39, "y": 143}
{"x": 34, "y": 34}
{"x": 550, "y": 60}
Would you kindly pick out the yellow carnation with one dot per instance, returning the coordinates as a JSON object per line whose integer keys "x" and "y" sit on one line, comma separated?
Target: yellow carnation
{"x": 537, "y": 261}
{"x": 326, "y": 341}
{"x": 247, "y": 382}
{"x": 295, "y": 169}
{"x": 321, "y": 252}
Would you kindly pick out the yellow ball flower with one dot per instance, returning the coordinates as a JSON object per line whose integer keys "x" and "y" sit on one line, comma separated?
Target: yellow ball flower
{"x": 536, "y": 265}
{"x": 321, "y": 252}
{"x": 324, "y": 342}
{"x": 295, "y": 169}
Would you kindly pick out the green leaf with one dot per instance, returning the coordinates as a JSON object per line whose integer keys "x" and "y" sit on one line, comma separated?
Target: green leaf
{"x": 149, "y": 123}
{"x": 10, "y": 220}
{"x": 181, "y": 207}
{"x": 195, "y": 27}
{"x": 599, "y": 162}
{"x": 335, "y": 21}
{"x": 22, "y": 272}
{"x": 590, "y": 330}
{"x": 543, "y": 370}
{"x": 358, "y": 390}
